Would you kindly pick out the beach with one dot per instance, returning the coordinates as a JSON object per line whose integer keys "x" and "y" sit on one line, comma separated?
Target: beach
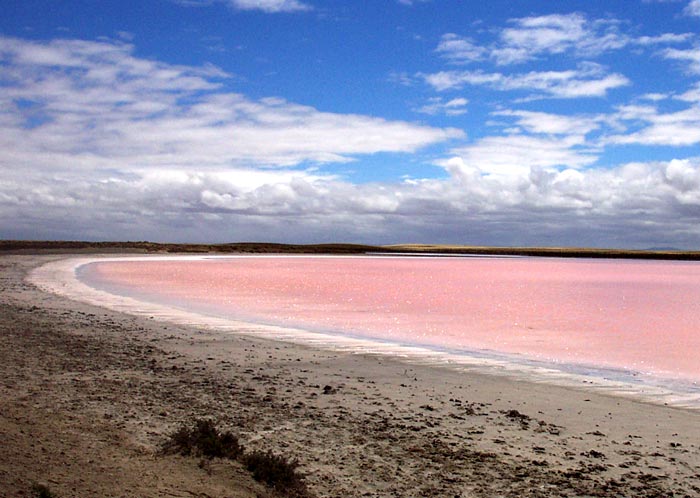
{"x": 89, "y": 394}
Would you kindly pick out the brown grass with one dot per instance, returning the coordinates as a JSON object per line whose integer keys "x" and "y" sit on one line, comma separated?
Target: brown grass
{"x": 339, "y": 248}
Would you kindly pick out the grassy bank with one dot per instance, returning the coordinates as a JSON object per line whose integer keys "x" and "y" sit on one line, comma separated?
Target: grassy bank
{"x": 20, "y": 246}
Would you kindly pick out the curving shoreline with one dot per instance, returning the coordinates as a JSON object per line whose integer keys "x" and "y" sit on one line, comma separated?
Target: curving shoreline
{"x": 360, "y": 424}
{"x": 60, "y": 277}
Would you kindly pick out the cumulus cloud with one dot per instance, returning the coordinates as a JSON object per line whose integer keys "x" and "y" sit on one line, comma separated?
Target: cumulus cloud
{"x": 588, "y": 80}
{"x": 636, "y": 205}
{"x": 97, "y": 143}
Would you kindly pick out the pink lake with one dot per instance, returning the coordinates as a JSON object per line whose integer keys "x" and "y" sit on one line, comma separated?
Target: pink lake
{"x": 641, "y": 316}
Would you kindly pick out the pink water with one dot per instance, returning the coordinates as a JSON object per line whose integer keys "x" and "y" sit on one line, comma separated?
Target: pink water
{"x": 638, "y": 315}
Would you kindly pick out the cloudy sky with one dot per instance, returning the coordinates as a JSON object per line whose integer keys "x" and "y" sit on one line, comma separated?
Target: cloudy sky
{"x": 573, "y": 123}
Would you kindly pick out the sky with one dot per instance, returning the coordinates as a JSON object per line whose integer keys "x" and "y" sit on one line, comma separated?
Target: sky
{"x": 508, "y": 123}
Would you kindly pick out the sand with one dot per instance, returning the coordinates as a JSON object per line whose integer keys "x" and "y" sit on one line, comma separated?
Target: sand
{"x": 87, "y": 395}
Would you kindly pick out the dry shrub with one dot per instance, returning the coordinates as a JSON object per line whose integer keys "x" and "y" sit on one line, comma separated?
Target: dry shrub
{"x": 203, "y": 439}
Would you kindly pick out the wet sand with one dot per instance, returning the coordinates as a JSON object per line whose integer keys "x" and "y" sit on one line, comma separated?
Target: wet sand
{"x": 88, "y": 394}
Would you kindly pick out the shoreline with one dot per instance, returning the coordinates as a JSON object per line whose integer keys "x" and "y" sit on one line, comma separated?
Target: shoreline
{"x": 62, "y": 278}
{"x": 145, "y": 247}
{"x": 359, "y": 424}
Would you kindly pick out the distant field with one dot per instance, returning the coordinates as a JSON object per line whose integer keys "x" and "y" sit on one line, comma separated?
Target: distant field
{"x": 153, "y": 247}
{"x": 270, "y": 248}
{"x": 564, "y": 252}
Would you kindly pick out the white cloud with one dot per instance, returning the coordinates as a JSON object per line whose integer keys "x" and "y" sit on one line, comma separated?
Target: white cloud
{"x": 634, "y": 205}
{"x": 553, "y": 124}
{"x": 74, "y": 104}
{"x": 97, "y": 143}
{"x": 530, "y": 38}
{"x": 567, "y": 84}
{"x": 401, "y": 78}
{"x": 436, "y": 105}
{"x": 535, "y": 35}
{"x": 268, "y": 6}
{"x": 654, "y": 97}
{"x": 513, "y": 155}
{"x": 666, "y": 38}
{"x": 681, "y": 128}
{"x": 271, "y": 6}
{"x": 691, "y": 56}
{"x": 692, "y": 95}
{"x": 586, "y": 81}
{"x": 450, "y": 80}
{"x": 693, "y": 8}
{"x": 459, "y": 49}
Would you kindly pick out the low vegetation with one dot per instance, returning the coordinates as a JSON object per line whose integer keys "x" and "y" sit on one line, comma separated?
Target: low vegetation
{"x": 202, "y": 439}
{"x": 276, "y": 471}
{"x": 41, "y": 491}
{"x": 555, "y": 252}
{"x": 62, "y": 246}
{"x": 153, "y": 247}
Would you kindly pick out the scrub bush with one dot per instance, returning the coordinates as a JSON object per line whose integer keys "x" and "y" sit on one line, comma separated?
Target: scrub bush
{"x": 41, "y": 491}
{"x": 203, "y": 439}
{"x": 276, "y": 471}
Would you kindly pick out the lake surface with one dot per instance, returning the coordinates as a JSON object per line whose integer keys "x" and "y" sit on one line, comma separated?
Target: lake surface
{"x": 636, "y": 316}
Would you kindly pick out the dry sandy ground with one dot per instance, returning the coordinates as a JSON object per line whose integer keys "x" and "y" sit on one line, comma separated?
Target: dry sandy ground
{"x": 87, "y": 395}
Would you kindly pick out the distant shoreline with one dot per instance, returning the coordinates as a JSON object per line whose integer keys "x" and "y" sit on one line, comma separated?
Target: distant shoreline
{"x": 62, "y": 278}
{"x": 28, "y": 246}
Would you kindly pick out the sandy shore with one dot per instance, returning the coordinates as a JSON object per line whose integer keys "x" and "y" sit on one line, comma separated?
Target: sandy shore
{"x": 87, "y": 395}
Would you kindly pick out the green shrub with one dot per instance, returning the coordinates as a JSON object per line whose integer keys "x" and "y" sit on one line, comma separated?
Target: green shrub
{"x": 203, "y": 439}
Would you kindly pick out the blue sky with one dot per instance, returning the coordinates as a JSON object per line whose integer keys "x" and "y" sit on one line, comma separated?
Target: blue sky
{"x": 572, "y": 123}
